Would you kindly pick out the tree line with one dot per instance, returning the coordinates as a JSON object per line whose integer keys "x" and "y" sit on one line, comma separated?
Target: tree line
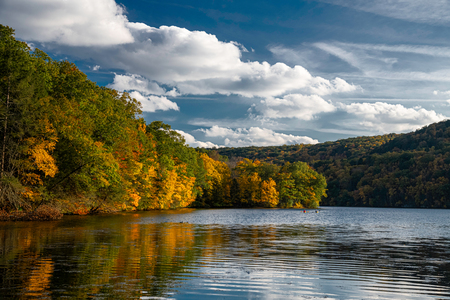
{"x": 77, "y": 147}
{"x": 393, "y": 170}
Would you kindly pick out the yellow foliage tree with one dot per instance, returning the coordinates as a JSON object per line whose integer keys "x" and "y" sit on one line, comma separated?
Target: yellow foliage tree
{"x": 249, "y": 189}
{"x": 216, "y": 191}
{"x": 146, "y": 185}
{"x": 39, "y": 156}
{"x": 269, "y": 193}
{"x": 174, "y": 189}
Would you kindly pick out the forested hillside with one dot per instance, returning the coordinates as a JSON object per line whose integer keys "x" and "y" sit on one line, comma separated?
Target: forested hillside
{"x": 408, "y": 170}
{"x": 69, "y": 145}
{"x": 342, "y": 149}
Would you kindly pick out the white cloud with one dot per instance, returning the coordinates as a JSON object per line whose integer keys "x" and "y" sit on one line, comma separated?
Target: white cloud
{"x": 153, "y": 103}
{"x": 287, "y": 54}
{"x": 32, "y": 46}
{"x": 191, "y": 141}
{"x": 235, "y": 123}
{"x": 441, "y": 93}
{"x": 255, "y": 136}
{"x": 338, "y": 50}
{"x": 385, "y": 118}
{"x": 198, "y": 63}
{"x": 369, "y": 118}
{"x": 414, "y": 49}
{"x": 169, "y": 61}
{"x": 194, "y": 62}
{"x": 293, "y": 106}
{"x": 366, "y": 58}
{"x": 397, "y": 62}
{"x": 96, "y": 68}
{"x": 322, "y": 86}
{"x": 132, "y": 82}
{"x": 69, "y": 22}
{"x": 172, "y": 93}
{"x": 150, "y": 94}
{"x": 420, "y": 11}
{"x": 240, "y": 46}
{"x": 379, "y": 56}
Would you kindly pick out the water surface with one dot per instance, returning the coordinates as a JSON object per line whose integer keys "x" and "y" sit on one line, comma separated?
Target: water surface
{"x": 337, "y": 253}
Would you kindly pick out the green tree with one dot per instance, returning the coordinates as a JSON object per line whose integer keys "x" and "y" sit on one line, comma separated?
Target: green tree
{"x": 27, "y": 137}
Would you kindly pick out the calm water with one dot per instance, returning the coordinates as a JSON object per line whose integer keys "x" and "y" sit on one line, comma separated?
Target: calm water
{"x": 338, "y": 253}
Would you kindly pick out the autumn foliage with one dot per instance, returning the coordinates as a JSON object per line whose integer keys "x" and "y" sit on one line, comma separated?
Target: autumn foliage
{"x": 69, "y": 144}
{"x": 393, "y": 170}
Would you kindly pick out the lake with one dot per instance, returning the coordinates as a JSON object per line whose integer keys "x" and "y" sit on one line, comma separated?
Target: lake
{"x": 336, "y": 253}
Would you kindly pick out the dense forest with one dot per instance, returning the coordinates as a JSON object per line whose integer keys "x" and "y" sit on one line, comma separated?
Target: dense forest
{"x": 68, "y": 145}
{"x": 395, "y": 170}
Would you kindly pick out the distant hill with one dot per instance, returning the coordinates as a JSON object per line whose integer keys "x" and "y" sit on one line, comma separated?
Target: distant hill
{"x": 434, "y": 137}
{"x": 394, "y": 170}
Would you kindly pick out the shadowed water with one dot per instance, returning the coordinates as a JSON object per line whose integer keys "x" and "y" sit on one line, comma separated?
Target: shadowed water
{"x": 337, "y": 253}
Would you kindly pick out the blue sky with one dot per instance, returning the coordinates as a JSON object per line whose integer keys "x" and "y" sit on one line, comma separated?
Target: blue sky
{"x": 240, "y": 73}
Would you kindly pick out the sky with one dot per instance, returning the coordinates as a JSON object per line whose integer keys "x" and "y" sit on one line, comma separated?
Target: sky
{"x": 242, "y": 73}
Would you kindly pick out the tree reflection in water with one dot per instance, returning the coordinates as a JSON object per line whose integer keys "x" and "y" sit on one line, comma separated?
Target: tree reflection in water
{"x": 127, "y": 257}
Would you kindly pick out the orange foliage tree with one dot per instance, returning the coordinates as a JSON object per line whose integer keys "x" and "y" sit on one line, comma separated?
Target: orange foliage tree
{"x": 68, "y": 142}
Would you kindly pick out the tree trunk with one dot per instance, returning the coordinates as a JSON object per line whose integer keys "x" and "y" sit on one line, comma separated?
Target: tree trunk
{"x": 5, "y": 128}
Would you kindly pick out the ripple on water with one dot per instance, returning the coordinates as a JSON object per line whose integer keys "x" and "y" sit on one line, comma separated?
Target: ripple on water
{"x": 338, "y": 253}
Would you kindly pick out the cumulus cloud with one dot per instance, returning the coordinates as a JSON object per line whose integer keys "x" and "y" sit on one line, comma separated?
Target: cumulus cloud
{"x": 293, "y": 106}
{"x": 322, "y": 86}
{"x": 153, "y": 103}
{"x": 194, "y": 62}
{"x": 370, "y": 118}
{"x": 191, "y": 141}
{"x": 198, "y": 63}
{"x": 132, "y": 82}
{"x": 150, "y": 94}
{"x": 169, "y": 61}
{"x": 74, "y": 23}
{"x": 384, "y": 118}
{"x": 254, "y": 136}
